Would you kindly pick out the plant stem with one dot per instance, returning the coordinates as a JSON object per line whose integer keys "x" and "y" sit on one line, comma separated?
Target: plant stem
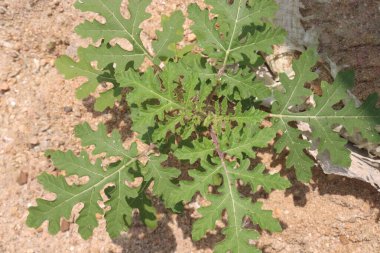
{"x": 216, "y": 143}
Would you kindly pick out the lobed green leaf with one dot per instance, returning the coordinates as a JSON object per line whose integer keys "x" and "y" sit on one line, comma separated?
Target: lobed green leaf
{"x": 322, "y": 117}
{"x": 112, "y": 178}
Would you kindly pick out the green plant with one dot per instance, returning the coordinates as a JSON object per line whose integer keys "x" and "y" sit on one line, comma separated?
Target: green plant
{"x": 203, "y": 109}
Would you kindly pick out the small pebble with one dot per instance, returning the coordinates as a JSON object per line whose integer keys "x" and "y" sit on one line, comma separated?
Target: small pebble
{"x": 22, "y": 178}
{"x": 65, "y": 226}
{"x": 68, "y": 109}
{"x": 191, "y": 37}
{"x": 12, "y": 102}
{"x": 4, "y": 87}
{"x": 344, "y": 240}
{"x": 14, "y": 55}
{"x": 34, "y": 141}
{"x": 277, "y": 212}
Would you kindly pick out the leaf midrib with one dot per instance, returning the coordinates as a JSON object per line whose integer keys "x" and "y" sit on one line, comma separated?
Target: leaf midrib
{"x": 126, "y": 31}
{"x": 289, "y": 116}
{"x": 90, "y": 187}
{"x": 228, "y": 51}
{"x": 140, "y": 85}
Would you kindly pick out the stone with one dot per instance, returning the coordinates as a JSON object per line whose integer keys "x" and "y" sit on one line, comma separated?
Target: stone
{"x": 4, "y": 87}
{"x": 22, "y": 178}
{"x": 344, "y": 240}
{"x": 34, "y": 141}
{"x": 68, "y": 109}
{"x": 191, "y": 37}
{"x": 65, "y": 226}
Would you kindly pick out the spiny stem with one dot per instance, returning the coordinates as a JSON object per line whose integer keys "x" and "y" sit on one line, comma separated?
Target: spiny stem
{"x": 229, "y": 181}
{"x": 216, "y": 143}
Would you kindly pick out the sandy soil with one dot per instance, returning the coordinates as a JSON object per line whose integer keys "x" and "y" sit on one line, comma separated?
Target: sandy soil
{"x": 39, "y": 111}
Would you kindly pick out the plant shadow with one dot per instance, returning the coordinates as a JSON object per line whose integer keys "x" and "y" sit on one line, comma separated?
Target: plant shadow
{"x": 323, "y": 183}
{"x": 162, "y": 239}
{"x": 141, "y": 239}
{"x": 343, "y": 186}
{"x": 119, "y": 120}
{"x": 330, "y": 184}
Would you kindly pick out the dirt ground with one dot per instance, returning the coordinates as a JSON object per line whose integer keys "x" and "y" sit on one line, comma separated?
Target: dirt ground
{"x": 38, "y": 111}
